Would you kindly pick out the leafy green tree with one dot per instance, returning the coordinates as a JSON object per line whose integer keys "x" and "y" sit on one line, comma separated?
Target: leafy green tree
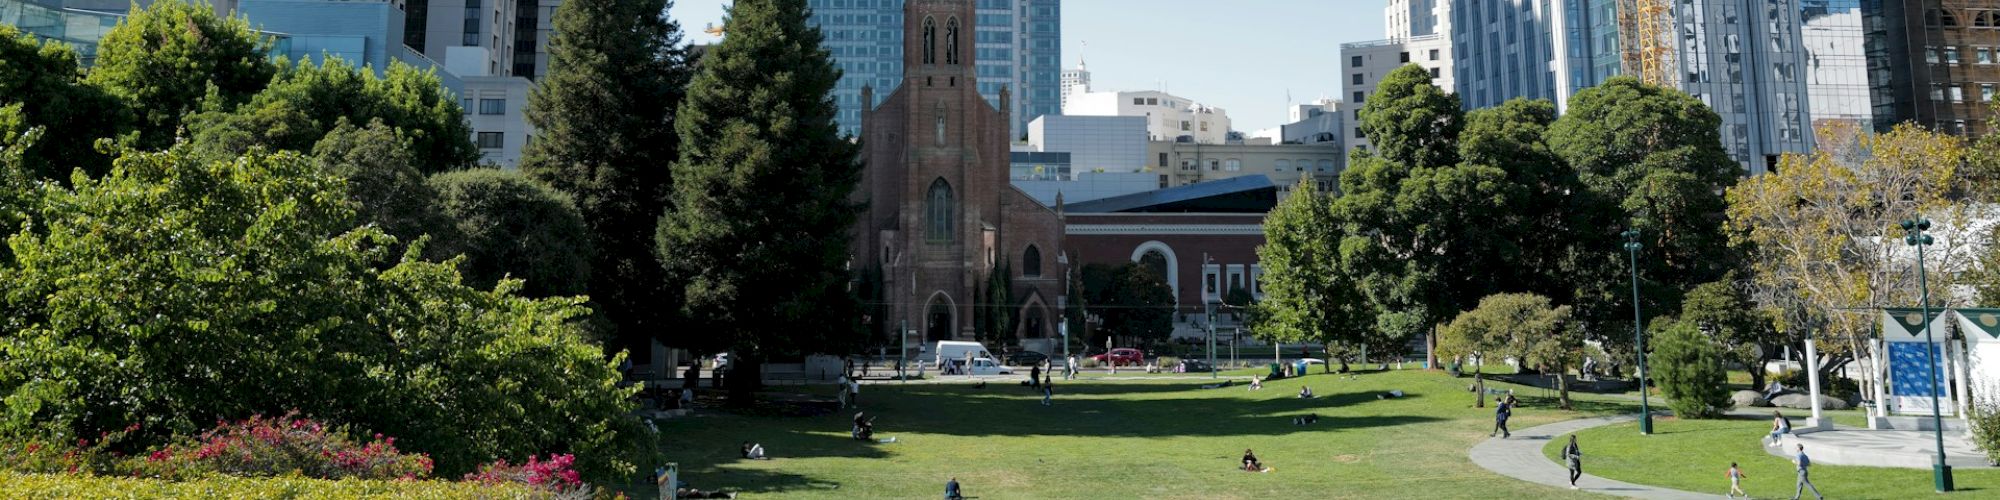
{"x": 163, "y": 60}
{"x": 1411, "y": 121}
{"x": 1722, "y": 310}
{"x": 513, "y": 226}
{"x": 43, "y": 79}
{"x": 1131, "y": 300}
{"x": 173, "y": 291}
{"x": 1656, "y": 154}
{"x": 1523, "y": 326}
{"x": 388, "y": 191}
{"x": 762, "y": 208}
{"x": 1308, "y": 296}
{"x": 304, "y": 102}
{"x": 604, "y": 134}
{"x": 1239, "y": 300}
{"x": 17, "y": 183}
{"x": 1687, "y": 365}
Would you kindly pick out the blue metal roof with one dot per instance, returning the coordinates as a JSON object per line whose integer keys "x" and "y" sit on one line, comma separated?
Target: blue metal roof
{"x": 1245, "y": 194}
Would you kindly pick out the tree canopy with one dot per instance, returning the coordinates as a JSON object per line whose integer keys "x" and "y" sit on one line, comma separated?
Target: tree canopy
{"x": 604, "y": 134}
{"x": 164, "y": 60}
{"x": 305, "y": 102}
{"x": 515, "y": 227}
{"x": 44, "y": 80}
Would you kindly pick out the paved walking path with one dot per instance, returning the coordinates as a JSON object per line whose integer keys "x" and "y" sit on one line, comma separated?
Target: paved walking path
{"x": 1520, "y": 457}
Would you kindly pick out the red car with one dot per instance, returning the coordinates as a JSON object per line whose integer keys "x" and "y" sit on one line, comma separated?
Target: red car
{"x": 1123, "y": 356}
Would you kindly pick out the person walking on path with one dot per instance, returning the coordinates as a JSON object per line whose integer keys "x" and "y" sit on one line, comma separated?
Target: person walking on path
{"x": 1048, "y": 390}
{"x": 1805, "y": 479}
{"x": 1573, "y": 458}
{"x": 840, "y": 390}
{"x": 1070, "y": 368}
{"x": 1736, "y": 482}
{"x": 1501, "y": 411}
{"x": 854, "y": 392}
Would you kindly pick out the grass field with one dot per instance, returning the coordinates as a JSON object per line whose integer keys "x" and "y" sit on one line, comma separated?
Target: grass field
{"x": 1693, "y": 454}
{"x": 1129, "y": 437}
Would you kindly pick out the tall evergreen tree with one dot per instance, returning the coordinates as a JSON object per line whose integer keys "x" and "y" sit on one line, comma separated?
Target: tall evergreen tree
{"x": 762, "y": 205}
{"x": 604, "y": 120}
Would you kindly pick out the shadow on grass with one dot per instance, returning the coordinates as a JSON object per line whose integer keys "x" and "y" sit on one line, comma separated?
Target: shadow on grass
{"x": 1023, "y": 415}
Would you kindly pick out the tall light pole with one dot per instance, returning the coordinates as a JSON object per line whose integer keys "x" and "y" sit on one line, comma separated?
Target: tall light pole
{"x": 1211, "y": 316}
{"x": 1940, "y": 471}
{"x": 1632, "y": 246}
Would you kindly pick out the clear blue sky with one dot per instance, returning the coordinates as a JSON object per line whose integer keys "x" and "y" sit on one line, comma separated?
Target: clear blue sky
{"x": 1241, "y": 55}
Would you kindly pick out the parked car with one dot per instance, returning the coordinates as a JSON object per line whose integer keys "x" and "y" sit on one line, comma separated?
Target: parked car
{"x": 1026, "y": 358}
{"x": 1122, "y": 356}
{"x": 1194, "y": 366}
{"x": 986, "y": 366}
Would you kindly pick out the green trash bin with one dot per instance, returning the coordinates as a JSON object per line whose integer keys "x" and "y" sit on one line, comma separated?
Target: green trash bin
{"x": 1274, "y": 372}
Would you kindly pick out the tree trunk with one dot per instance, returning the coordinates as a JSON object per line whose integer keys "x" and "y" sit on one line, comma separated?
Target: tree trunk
{"x": 1479, "y": 388}
{"x": 1562, "y": 388}
{"x": 1757, "y": 375}
{"x": 1430, "y": 352}
{"x": 746, "y": 375}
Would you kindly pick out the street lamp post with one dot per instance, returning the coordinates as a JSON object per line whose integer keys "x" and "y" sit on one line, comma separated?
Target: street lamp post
{"x": 1940, "y": 471}
{"x": 1211, "y": 320}
{"x": 1632, "y": 246}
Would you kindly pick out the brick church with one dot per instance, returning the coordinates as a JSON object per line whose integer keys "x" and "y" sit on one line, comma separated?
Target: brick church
{"x": 942, "y": 215}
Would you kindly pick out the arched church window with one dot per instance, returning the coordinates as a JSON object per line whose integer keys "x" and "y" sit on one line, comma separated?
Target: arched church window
{"x": 938, "y": 210}
{"x": 951, "y": 41}
{"x": 1031, "y": 262}
{"x": 930, "y": 41}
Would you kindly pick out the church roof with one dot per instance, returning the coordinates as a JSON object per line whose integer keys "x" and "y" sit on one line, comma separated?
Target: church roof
{"x": 1245, "y": 194}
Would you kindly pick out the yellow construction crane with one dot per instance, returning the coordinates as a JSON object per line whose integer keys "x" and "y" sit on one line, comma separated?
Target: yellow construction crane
{"x": 1645, "y": 29}
{"x": 712, "y": 29}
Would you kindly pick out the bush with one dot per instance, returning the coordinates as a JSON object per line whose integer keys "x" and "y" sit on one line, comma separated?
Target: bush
{"x": 1985, "y": 419}
{"x": 19, "y": 485}
{"x": 552, "y": 474}
{"x": 172, "y": 292}
{"x": 282, "y": 446}
{"x": 1688, "y": 368}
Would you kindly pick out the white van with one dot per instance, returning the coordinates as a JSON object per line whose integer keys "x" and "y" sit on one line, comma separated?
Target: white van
{"x": 950, "y": 351}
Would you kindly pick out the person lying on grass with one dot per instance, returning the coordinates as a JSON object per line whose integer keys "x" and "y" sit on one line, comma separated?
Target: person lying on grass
{"x": 1251, "y": 464}
{"x": 754, "y": 451}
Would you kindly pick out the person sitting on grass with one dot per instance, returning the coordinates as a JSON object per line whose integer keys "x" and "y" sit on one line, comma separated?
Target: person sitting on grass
{"x": 864, "y": 426}
{"x": 1305, "y": 392}
{"x": 754, "y": 451}
{"x": 1250, "y": 463}
{"x": 951, "y": 491}
{"x": 1256, "y": 384}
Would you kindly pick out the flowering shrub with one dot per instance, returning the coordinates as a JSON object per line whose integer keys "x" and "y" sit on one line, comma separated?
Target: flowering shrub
{"x": 284, "y": 445}
{"x": 44, "y": 456}
{"x": 554, "y": 473}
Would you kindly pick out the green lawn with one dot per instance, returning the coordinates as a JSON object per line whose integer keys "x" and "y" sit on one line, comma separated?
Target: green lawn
{"x": 1693, "y": 455}
{"x": 1125, "y": 438}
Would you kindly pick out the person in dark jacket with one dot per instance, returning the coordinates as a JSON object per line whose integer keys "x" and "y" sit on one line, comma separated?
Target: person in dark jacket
{"x": 1573, "y": 459}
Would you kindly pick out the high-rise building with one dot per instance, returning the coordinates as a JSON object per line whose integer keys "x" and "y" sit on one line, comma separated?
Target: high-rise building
{"x": 1836, "y": 65}
{"x": 1933, "y": 62}
{"x": 1074, "y": 81}
{"x": 534, "y": 22}
{"x": 512, "y": 35}
{"x": 1746, "y": 59}
{"x": 1413, "y": 18}
{"x": 1018, "y": 44}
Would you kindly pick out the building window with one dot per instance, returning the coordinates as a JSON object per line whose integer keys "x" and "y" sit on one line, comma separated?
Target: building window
{"x": 1354, "y": 61}
{"x": 1983, "y": 55}
{"x": 930, "y": 41}
{"x": 1138, "y": 101}
{"x": 1031, "y": 262}
{"x": 1233, "y": 165}
{"x": 492, "y": 140}
{"x": 1184, "y": 125}
{"x": 1434, "y": 73}
{"x": 1986, "y": 92}
{"x": 1325, "y": 165}
{"x": 938, "y": 209}
{"x": 1434, "y": 54}
{"x": 1356, "y": 79}
{"x": 1358, "y": 134}
{"x": 1281, "y": 165}
{"x": 1163, "y": 160}
{"x": 1951, "y": 55}
{"x": 951, "y": 41}
{"x": 1358, "y": 95}
{"x": 1152, "y": 101}
{"x": 1214, "y": 164}
{"x": 1404, "y": 58}
{"x": 492, "y": 106}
